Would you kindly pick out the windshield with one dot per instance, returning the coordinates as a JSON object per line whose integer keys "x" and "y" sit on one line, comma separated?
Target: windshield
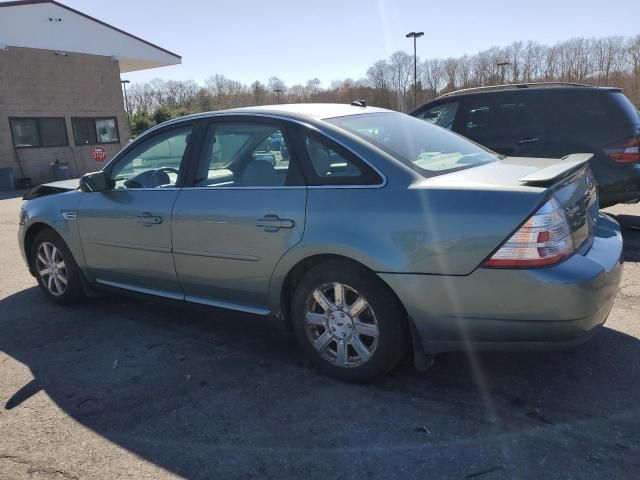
{"x": 424, "y": 147}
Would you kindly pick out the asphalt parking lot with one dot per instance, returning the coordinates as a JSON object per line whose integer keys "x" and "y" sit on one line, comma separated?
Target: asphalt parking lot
{"x": 126, "y": 387}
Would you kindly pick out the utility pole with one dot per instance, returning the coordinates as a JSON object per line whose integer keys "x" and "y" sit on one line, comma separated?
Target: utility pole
{"x": 126, "y": 100}
{"x": 278, "y": 91}
{"x": 502, "y": 66}
{"x": 415, "y": 35}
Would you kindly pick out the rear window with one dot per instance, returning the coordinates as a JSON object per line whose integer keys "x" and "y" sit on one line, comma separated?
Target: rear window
{"x": 625, "y": 104}
{"x": 424, "y": 147}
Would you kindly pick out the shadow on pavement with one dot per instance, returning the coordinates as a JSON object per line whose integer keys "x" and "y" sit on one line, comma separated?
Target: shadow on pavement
{"x": 206, "y": 394}
{"x": 631, "y": 233}
{"x": 8, "y": 194}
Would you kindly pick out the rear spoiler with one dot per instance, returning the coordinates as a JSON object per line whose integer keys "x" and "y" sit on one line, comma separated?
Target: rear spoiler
{"x": 547, "y": 176}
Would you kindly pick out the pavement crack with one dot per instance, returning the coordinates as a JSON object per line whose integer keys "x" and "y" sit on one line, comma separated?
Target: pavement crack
{"x": 36, "y": 468}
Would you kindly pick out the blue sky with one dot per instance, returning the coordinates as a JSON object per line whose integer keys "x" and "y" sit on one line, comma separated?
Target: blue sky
{"x": 251, "y": 40}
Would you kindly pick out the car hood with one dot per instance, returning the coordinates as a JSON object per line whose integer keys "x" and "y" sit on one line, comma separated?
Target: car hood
{"x": 52, "y": 188}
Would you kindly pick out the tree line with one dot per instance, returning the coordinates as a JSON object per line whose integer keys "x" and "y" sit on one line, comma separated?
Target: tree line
{"x": 608, "y": 61}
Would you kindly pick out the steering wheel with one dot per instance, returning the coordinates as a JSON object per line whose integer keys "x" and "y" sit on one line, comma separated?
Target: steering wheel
{"x": 160, "y": 177}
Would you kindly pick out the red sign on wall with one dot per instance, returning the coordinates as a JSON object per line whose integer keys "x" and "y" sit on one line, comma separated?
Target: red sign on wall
{"x": 99, "y": 154}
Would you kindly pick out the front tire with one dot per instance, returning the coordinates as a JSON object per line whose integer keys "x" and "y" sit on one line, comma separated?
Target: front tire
{"x": 55, "y": 268}
{"x": 348, "y": 322}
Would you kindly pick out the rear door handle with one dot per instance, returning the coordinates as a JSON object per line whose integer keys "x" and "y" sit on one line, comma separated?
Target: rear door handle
{"x": 525, "y": 141}
{"x": 147, "y": 219}
{"x": 272, "y": 223}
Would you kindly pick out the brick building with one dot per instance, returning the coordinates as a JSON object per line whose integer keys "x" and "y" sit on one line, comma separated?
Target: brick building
{"x": 60, "y": 87}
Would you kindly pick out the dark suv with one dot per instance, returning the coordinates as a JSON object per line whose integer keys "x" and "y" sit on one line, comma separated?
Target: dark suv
{"x": 551, "y": 120}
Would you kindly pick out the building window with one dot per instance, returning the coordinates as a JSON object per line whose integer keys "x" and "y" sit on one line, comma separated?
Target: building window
{"x": 92, "y": 131}
{"x": 39, "y": 132}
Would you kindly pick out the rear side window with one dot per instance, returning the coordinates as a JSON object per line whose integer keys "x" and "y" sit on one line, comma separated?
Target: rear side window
{"x": 245, "y": 154}
{"x": 331, "y": 164}
{"x": 327, "y": 163}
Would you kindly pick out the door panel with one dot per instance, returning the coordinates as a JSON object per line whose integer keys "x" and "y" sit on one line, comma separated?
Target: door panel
{"x": 126, "y": 232}
{"x": 227, "y": 241}
{"x": 126, "y": 237}
{"x": 246, "y": 210}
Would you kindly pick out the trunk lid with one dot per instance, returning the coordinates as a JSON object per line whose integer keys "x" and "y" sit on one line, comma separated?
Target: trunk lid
{"x": 569, "y": 179}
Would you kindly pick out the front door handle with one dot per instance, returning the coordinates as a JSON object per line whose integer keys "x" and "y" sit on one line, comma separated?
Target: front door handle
{"x": 147, "y": 219}
{"x": 272, "y": 223}
{"x": 525, "y": 141}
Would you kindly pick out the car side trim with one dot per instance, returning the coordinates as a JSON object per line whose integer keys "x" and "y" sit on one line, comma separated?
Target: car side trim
{"x": 229, "y": 256}
{"x": 228, "y": 305}
{"x": 188, "y": 298}
{"x": 131, "y": 247}
{"x": 147, "y": 291}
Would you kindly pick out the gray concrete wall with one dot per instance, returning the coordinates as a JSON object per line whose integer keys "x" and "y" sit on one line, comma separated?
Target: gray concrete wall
{"x": 39, "y": 83}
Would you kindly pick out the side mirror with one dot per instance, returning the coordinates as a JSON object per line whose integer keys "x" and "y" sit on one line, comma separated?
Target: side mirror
{"x": 96, "y": 182}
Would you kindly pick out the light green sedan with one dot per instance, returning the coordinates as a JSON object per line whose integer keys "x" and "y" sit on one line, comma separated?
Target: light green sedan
{"x": 376, "y": 235}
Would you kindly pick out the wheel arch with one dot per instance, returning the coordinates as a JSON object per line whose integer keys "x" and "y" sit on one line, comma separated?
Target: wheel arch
{"x": 297, "y": 271}
{"x": 30, "y": 235}
{"x": 286, "y": 286}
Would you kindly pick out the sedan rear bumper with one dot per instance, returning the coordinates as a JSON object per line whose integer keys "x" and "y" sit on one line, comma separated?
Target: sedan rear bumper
{"x": 511, "y": 309}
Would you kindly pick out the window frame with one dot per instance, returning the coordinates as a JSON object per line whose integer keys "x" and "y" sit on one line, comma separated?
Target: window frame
{"x": 294, "y": 171}
{"x": 38, "y": 129}
{"x": 150, "y": 137}
{"x": 93, "y": 120}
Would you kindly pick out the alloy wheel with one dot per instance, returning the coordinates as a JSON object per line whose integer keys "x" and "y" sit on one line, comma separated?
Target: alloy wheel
{"x": 341, "y": 325}
{"x": 51, "y": 268}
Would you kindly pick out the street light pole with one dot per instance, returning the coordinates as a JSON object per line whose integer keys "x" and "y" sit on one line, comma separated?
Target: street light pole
{"x": 502, "y": 66}
{"x": 278, "y": 91}
{"x": 415, "y": 35}
{"x": 126, "y": 100}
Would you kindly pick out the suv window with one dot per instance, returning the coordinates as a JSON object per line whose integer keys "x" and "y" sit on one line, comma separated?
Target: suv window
{"x": 589, "y": 111}
{"x": 506, "y": 114}
{"x": 442, "y": 115}
{"x": 155, "y": 163}
{"x": 243, "y": 154}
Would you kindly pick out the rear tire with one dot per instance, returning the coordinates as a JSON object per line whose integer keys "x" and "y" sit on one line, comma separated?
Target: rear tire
{"x": 57, "y": 273}
{"x": 348, "y": 322}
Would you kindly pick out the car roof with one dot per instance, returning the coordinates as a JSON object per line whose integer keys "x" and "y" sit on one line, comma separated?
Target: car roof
{"x": 293, "y": 111}
{"x": 318, "y": 111}
{"x": 527, "y": 87}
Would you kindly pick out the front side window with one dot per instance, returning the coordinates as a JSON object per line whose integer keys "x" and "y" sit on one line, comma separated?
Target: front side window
{"x": 239, "y": 154}
{"x": 418, "y": 144}
{"x": 92, "y": 131}
{"x": 39, "y": 132}
{"x": 155, "y": 163}
{"x": 442, "y": 115}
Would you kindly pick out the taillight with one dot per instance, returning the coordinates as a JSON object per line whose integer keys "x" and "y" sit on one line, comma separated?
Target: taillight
{"x": 625, "y": 151}
{"x": 544, "y": 239}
